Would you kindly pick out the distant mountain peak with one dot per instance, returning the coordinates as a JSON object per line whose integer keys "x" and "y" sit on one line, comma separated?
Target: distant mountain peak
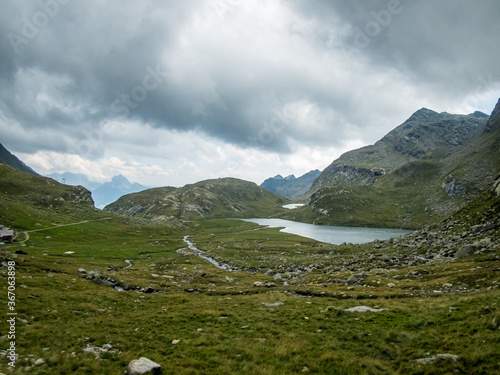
{"x": 291, "y": 187}
{"x": 120, "y": 179}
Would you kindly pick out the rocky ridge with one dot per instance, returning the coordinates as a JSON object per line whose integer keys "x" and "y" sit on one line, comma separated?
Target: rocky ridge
{"x": 428, "y": 167}
{"x": 291, "y": 187}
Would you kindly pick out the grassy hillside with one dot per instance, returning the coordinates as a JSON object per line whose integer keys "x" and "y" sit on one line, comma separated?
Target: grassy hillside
{"x": 226, "y": 324}
{"x": 225, "y": 197}
{"x": 28, "y": 201}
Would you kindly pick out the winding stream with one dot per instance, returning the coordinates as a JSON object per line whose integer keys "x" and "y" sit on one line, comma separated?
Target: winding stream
{"x": 202, "y": 255}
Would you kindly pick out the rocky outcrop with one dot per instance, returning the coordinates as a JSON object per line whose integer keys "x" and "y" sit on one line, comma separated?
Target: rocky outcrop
{"x": 452, "y": 187}
{"x": 346, "y": 175}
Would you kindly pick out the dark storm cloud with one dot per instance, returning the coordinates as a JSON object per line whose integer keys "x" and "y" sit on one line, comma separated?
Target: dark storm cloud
{"x": 66, "y": 67}
{"x": 435, "y": 41}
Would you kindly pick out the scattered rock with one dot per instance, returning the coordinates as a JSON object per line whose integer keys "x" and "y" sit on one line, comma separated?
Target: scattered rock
{"x": 270, "y": 273}
{"x": 391, "y": 285}
{"x": 39, "y": 362}
{"x": 437, "y": 357}
{"x": 273, "y": 304}
{"x": 264, "y": 284}
{"x": 356, "y": 279}
{"x": 175, "y": 342}
{"x": 143, "y": 366}
{"x": 465, "y": 251}
{"x": 363, "y": 309}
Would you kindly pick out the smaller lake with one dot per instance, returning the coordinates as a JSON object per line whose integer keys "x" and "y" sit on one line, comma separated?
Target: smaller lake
{"x": 331, "y": 234}
{"x": 293, "y": 206}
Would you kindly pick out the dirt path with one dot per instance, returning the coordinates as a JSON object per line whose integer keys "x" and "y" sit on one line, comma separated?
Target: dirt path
{"x": 27, "y": 233}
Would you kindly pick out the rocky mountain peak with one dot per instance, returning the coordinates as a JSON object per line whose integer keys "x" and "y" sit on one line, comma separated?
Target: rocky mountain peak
{"x": 422, "y": 114}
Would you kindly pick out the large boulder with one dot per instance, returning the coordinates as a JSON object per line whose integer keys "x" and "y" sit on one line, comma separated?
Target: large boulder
{"x": 465, "y": 251}
{"x": 143, "y": 366}
{"x": 356, "y": 279}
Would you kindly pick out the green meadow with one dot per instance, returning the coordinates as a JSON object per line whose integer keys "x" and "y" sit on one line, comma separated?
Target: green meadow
{"x": 224, "y": 323}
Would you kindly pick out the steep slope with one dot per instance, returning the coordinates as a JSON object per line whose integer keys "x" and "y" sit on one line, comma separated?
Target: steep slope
{"x": 473, "y": 230}
{"x": 422, "y": 171}
{"x": 28, "y": 201}
{"x": 9, "y": 159}
{"x": 225, "y": 197}
{"x": 291, "y": 187}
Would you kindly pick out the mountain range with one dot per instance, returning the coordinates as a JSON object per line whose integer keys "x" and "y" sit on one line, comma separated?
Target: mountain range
{"x": 426, "y": 168}
{"x": 290, "y": 186}
{"x": 419, "y": 173}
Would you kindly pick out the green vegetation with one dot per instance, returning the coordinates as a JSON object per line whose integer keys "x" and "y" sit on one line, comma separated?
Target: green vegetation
{"x": 394, "y": 200}
{"x": 223, "y": 197}
{"x": 27, "y": 200}
{"x": 221, "y": 318}
{"x": 281, "y": 310}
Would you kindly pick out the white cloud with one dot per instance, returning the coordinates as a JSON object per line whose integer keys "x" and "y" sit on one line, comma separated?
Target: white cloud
{"x": 248, "y": 88}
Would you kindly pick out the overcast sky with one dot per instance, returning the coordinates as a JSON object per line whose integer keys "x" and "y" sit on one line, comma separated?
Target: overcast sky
{"x": 173, "y": 92}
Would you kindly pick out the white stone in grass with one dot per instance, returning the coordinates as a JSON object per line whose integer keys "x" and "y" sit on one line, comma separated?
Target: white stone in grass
{"x": 143, "y": 366}
{"x": 363, "y": 309}
{"x": 39, "y": 362}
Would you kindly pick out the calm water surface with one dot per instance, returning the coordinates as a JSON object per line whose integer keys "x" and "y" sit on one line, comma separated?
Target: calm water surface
{"x": 331, "y": 234}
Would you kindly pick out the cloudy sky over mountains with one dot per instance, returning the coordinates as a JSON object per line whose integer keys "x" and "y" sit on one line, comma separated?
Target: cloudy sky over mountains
{"x": 173, "y": 92}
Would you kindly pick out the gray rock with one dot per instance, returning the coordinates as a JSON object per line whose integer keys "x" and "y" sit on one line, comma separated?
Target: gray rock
{"x": 356, "y": 278}
{"x": 275, "y": 304}
{"x": 452, "y": 187}
{"x": 363, "y": 309}
{"x": 437, "y": 357}
{"x": 270, "y": 273}
{"x": 143, "y": 366}
{"x": 465, "y": 251}
{"x": 39, "y": 362}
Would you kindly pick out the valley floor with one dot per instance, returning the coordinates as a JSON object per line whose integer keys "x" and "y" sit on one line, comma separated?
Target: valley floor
{"x": 282, "y": 310}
